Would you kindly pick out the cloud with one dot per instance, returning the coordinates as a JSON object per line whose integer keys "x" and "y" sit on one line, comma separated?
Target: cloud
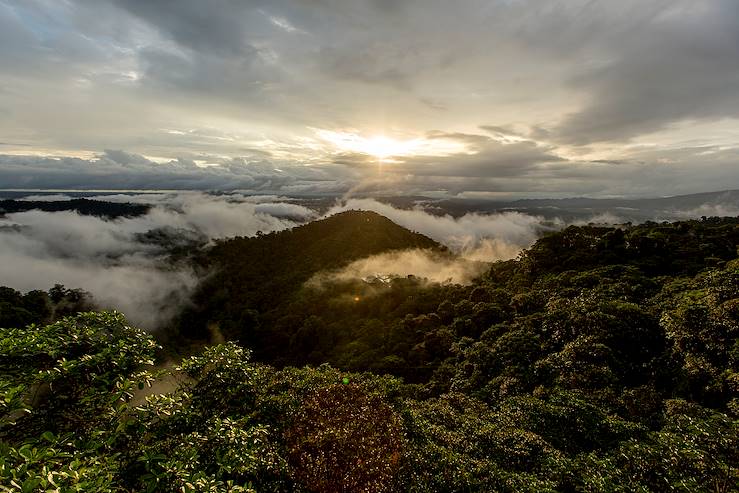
{"x": 126, "y": 171}
{"x": 673, "y": 64}
{"x": 466, "y": 235}
{"x": 92, "y": 254}
{"x": 708, "y": 210}
{"x": 50, "y": 197}
{"x": 119, "y": 264}
{"x": 488, "y": 249}
{"x": 149, "y": 296}
{"x": 282, "y": 209}
{"x": 513, "y": 168}
{"x": 218, "y": 217}
{"x": 474, "y": 240}
{"x": 229, "y": 96}
{"x": 125, "y": 264}
{"x": 486, "y": 157}
{"x": 219, "y": 29}
{"x": 116, "y": 262}
{"x": 425, "y": 264}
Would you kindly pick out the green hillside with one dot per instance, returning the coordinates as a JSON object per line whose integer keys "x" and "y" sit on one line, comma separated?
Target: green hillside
{"x": 251, "y": 279}
{"x": 602, "y": 359}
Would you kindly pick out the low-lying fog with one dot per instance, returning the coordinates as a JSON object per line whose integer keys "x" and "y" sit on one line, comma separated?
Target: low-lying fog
{"x": 113, "y": 260}
{"x": 122, "y": 267}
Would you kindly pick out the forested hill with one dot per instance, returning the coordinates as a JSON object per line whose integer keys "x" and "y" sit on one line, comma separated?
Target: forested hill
{"x": 320, "y": 244}
{"x": 601, "y": 360}
{"x": 654, "y": 249}
{"x": 254, "y": 275}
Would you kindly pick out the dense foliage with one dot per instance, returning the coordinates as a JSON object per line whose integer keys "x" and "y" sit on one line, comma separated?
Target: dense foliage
{"x": 603, "y": 359}
{"x": 254, "y": 279}
{"x": 40, "y": 307}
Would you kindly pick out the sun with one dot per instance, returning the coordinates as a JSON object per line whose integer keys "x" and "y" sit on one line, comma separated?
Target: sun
{"x": 381, "y": 147}
{"x": 388, "y": 149}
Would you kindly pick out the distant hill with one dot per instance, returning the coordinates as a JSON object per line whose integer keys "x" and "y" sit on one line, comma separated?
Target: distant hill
{"x": 252, "y": 275}
{"x": 572, "y": 209}
{"x": 727, "y": 198}
{"x": 720, "y": 203}
{"x": 86, "y": 207}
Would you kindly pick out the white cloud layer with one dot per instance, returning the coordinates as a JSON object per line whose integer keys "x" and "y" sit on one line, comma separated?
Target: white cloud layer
{"x": 485, "y": 237}
{"x": 109, "y": 258}
{"x": 475, "y": 240}
{"x": 124, "y": 268}
{"x": 424, "y": 264}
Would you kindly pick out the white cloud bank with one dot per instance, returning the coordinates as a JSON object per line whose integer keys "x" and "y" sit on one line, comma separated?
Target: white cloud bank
{"x": 124, "y": 270}
{"x": 110, "y": 259}
{"x": 475, "y": 238}
{"x": 424, "y": 264}
{"x": 482, "y": 237}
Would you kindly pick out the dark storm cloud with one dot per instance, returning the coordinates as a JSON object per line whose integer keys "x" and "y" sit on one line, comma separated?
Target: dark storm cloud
{"x": 215, "y": 78}
{"x": 564, "y": 92}
{"x": 34, "y": 42}
{"x": 514, "y": 169}
{"x": 487, "y": 158}
{"x": 121, "y": 170}
{"x": 354, "y": 160}
{"x": 218, "y": 28}
{"x": 680, "y": 63}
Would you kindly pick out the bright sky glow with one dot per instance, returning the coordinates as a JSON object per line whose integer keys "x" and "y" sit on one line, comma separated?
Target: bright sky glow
{"x": 383, "y": 147}
{"x": 522, "y": 98}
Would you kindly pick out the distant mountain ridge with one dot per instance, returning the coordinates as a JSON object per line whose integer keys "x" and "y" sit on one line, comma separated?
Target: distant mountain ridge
{"x": 718, "y": 203}
{"x": 693, "y": 199}
{"x": 85, "y": 207}
{"x": 725, "y": 202}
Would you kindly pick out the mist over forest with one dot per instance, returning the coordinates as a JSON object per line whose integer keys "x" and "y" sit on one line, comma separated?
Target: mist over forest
{"x": 369, "y": 246}
{"x": 516, "y": 352}
{"x": 131, "y": 258}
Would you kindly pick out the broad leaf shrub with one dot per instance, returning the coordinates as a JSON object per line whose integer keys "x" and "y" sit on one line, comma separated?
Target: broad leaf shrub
{"x": 64, "y": 390}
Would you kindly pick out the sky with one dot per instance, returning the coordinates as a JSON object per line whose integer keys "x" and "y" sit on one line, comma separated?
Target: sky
{"x": 481, "y": 99}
